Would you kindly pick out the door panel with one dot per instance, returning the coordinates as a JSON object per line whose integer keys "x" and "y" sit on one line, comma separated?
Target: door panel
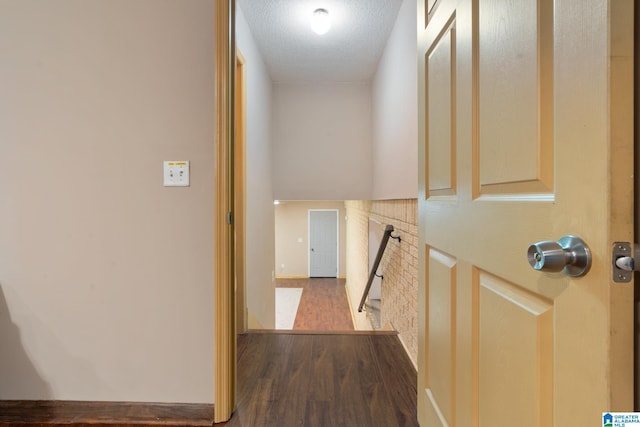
{"x": 515, "y": 352}
{"x": 515, "y": 142}
{"x": 525, "y": 135}
{"x": 440, "y": 64}
{"x": 442, "y": 329}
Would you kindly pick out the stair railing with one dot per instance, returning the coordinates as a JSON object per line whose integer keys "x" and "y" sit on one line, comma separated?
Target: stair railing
{"x": 376, "y": 263}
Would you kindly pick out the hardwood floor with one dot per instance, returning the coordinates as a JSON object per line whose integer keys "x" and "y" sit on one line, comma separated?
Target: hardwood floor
{"x": 319, "y": 380}
{"x": 323, "y": 305}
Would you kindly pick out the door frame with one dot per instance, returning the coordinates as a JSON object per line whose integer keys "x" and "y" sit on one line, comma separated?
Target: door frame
{"x": 636, "y": 126}
{"x": 337, "y": 211}
{"x": 240, "y": 188}
{"x": 224, "y": 336}
{"x": 224, "y": 350}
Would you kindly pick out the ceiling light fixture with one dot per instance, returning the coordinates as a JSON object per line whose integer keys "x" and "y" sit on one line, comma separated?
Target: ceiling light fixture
{"x": 320, "y": 22}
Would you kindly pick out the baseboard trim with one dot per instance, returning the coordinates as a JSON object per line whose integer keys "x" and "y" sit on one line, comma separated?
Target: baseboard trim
{"x": 67, "y": 412}
{"x": 313, "y": 332}
{"x": 293, "y": 276}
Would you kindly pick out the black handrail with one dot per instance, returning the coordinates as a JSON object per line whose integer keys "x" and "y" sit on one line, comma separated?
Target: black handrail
{"x": 383, "y": 244}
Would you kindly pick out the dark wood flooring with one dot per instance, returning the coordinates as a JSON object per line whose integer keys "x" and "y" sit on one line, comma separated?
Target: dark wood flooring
{"x": 320, "y": 380}
{"x": 323, "y": 304}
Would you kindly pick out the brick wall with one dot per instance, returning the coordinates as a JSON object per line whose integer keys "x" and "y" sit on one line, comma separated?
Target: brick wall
{"x": 357, "y": 256}
{"x": 399, "y": 265}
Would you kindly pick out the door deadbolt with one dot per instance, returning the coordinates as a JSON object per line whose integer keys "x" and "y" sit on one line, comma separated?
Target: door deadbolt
{"x": 569, "y": 255}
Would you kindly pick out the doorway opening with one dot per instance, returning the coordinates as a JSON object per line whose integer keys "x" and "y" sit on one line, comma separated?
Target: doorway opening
{"x": 310, "y": 253}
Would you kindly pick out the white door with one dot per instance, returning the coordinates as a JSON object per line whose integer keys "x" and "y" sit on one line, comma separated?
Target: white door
{"x": 323, "y": 243}
{"x": 526, "y": 135}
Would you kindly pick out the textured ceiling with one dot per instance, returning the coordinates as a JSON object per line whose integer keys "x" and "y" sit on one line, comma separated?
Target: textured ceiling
{"x": 350, "y": 51}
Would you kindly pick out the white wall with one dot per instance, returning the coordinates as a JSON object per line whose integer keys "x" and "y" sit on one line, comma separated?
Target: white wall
{"x": 292, "y": 237}
{"x": 322, "y": 141}
{"x": 260, "y": 245}
{"x": 106, "y": 276}
{"x": 395, "y": 112}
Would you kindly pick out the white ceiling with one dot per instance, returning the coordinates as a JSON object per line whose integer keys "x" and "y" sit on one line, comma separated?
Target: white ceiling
{"x": 350, "y": 51}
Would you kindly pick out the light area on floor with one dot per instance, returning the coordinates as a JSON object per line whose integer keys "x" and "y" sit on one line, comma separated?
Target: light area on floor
{"x": 287, "y": 301}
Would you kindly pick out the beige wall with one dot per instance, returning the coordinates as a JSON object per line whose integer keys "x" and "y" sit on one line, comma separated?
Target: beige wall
{"x": 260, "y": 244}
{"x": 322, "y": 141}
{"x": 292, "y": 237}
{"x": 399, "y": 265}
{"x": 106, "y": 276}
{"x": 395, "y": 112}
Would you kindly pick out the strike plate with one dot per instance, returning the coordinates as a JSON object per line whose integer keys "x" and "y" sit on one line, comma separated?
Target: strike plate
{"x": 621, "y": 249}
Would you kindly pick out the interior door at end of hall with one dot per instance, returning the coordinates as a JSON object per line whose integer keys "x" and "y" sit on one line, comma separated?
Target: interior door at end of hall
{"x": 526, "y": 135}
{"x": 323, "y": 243}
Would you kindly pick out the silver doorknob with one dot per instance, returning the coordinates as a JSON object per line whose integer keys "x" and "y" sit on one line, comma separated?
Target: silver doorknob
{"x": 569, "y": 255}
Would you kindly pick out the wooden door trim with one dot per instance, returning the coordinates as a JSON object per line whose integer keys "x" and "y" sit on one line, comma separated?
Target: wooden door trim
{"x": 636, "y": 218}
{"x": 240, "y": 192}
{"x": 224, "y": 359}
{"x": 621, "y": 188}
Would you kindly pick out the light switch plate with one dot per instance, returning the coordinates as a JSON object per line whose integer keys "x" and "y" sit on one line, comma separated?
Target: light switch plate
{"x": 176, "y": 173}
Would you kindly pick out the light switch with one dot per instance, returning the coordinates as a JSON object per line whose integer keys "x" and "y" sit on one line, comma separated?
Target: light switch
{"x": 176, "y": 173}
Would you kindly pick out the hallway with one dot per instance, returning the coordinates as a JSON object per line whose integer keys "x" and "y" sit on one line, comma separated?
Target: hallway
{"x": 323, "y": 305}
